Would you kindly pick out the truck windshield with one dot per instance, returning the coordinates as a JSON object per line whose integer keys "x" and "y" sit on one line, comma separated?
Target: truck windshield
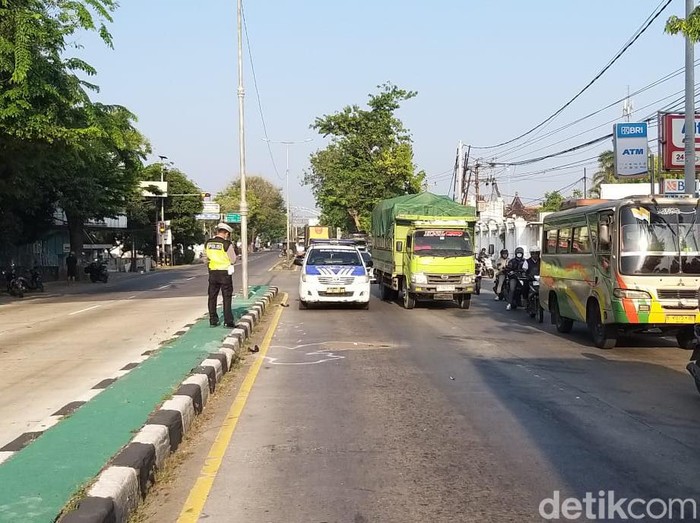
{"x": 663, "y": 239}
{"x": 441, "y": 242}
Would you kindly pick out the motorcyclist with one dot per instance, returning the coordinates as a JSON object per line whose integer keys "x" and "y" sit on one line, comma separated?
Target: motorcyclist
{"x": 482, "y": 255}
{"x": 517, "y": 264}
{"x": 501, "y": 265}
{"x": 533, "y": 262}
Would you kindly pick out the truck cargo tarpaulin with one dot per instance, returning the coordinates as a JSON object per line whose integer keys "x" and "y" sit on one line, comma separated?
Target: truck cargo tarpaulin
{"x": 387, "y": 212}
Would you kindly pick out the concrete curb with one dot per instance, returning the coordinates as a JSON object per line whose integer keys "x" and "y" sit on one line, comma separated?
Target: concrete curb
{"x": 124, "y": 483}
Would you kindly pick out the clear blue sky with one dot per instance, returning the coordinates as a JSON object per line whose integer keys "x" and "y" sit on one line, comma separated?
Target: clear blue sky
{"x": 484, "y": 71}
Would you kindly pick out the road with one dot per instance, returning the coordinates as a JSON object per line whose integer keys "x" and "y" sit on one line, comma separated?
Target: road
{"x": 441, "y": 414}
{"x": 55, "y": 349}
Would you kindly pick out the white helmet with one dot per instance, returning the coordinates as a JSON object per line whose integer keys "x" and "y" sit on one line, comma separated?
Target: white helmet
{"x": 224, "y": 227}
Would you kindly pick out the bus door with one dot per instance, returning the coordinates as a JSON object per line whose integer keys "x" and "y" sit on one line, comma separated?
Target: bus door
{"x": 602, "y": 226}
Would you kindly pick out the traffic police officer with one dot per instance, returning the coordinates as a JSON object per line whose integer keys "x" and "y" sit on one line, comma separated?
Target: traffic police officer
{"x": 220, "y": 256}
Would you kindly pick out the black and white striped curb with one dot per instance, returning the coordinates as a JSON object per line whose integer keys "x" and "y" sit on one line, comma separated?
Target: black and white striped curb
{"x": 122, "y": 485}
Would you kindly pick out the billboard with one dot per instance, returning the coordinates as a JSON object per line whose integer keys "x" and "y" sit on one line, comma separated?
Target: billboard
{"x": 672, "y": 139}
{"x": 630, "y": 144}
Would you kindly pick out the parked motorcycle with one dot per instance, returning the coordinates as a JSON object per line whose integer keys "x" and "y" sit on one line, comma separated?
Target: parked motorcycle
{"x": 97, "y": 271}
{"x": 35, "y": 282}
{"x": 16, "y": 285}
{"x": 533, "y": 299}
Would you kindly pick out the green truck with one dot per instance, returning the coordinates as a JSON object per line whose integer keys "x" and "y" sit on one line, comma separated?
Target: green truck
{"x": 422, "y": 249}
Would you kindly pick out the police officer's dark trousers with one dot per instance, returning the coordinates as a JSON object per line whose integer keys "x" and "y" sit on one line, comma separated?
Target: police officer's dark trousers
{"x": 220, "y": 280}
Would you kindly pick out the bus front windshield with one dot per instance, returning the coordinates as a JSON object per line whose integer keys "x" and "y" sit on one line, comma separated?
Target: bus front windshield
{"x": 663, "y": 239}
{"x": 443, "y": 243}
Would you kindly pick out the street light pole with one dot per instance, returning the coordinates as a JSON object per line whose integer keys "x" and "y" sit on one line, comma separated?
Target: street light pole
{"x": 162, "y": 212}
{"x": 287, "y": 144}
{"x": 241, "y": 153}
{"x": 689, "y": 166}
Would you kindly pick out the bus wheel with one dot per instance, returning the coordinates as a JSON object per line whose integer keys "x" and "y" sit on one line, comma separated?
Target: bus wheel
{"x": 564, "y": 325}
{"x": 604, "y": 336}
{"x": 686, "y": 338}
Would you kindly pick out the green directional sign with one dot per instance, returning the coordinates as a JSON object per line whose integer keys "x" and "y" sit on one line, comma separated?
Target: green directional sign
{"x": 233, "y": 217}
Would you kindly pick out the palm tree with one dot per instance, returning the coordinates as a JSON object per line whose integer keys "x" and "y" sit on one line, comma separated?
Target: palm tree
{"x": 605, "y": 173}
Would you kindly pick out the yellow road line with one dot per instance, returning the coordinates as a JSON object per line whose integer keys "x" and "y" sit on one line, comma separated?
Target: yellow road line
{"x": 202, "y": 487}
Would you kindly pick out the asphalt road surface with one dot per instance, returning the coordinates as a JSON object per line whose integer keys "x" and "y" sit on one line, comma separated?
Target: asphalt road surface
{"x": 55, "y": 348}
{"x": 441, "y": 414}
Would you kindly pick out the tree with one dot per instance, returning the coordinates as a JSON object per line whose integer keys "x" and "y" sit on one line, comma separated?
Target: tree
{"x": 577, "y": 193}
{"x": 690, "y": 27}
{"x": 552, "y": 201}
{"x": 266, "y": 209}
{"x": 369, "y": 158}
{"x": 605, "y": 172}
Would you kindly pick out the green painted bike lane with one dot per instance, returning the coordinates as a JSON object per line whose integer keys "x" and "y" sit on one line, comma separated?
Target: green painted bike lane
{"x": 37, "y": 482}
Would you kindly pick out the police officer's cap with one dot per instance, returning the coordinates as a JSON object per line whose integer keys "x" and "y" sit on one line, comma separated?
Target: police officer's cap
{"x": 224, "y": 227}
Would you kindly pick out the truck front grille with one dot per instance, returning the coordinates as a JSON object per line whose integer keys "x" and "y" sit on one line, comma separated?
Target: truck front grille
{"x": 437, "y": 279}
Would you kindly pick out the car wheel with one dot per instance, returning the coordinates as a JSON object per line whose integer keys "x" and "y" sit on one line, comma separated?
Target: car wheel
{"x": 303, "y": 305}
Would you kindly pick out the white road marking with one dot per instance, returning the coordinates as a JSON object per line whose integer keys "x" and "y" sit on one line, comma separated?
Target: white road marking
{"x": 131, "y": 297}
{"x": 84, "y": 310}
{"x": 163, "y": 287}
{"x": 192, "y": 278}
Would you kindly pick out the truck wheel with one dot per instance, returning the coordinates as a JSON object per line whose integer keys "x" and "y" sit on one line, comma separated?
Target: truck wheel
{"x": 464, "y": 301}
{"x": 686, "y": 338}
{"x": 408, "y": 300}
{"x": 385, "y": 292}
{"x": 604, "y": 336}
{"x": 564, "y": 325}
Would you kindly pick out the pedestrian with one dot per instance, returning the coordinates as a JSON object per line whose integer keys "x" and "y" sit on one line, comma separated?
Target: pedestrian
{"x": 71, "y": 267}
{"x": 221, "y": 256}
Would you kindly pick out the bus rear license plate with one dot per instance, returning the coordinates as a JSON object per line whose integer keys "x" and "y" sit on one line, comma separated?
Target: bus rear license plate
{"x": 680, "y": 319}
{"x": 445, "y": 288}
{"x": 335, "y": 290}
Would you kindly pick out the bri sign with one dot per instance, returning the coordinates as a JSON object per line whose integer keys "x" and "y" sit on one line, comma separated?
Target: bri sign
{"x": 630, "y": 143}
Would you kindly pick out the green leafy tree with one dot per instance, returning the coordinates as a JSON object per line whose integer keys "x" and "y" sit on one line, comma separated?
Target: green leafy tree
{"x": 552, "y": 201}
{"x": 266, "y": 207}
{"x": 605, "y": 172}
{"x": 689, "y": 27}
{"x": 369, "y": 158}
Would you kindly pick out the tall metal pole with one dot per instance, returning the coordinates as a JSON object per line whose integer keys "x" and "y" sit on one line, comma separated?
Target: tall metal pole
{"x": 286, "y": 173}
{"x": 162, "y": 219}
{"x": 241, "y": 153}
{"x": 689, "y": 169}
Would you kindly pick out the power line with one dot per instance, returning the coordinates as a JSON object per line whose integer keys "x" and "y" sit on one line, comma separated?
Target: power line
{"x": 655, "y": 14}
{"x": 257, "y": 94}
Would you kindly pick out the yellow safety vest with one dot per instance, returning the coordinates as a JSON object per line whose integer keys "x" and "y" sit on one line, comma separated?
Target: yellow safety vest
{"x": 215, "y": 250}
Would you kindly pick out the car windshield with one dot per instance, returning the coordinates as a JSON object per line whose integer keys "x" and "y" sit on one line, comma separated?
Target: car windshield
{"x": 662, "y": 239}
{"x": 366, "y": 256}
{"x": 333, "y": 257}
{"x": 441, "y": 242}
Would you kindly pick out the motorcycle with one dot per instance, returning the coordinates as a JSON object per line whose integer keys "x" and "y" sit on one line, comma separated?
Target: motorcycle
{"x": 533, "y": 307}
{"x": 97, "y": 271}
{"x": 16, "y": 285}
{"x": 694, "y": 367}
{"x": 488, "y": 267}
{"x": 503, "y": 295}
{"x": 520, "y": 288}
{"x": 35, "y": 281}
{"x": 478, "y": 272}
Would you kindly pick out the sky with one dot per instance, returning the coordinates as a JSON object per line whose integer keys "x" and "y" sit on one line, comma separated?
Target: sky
{"x": 484, "y": 71}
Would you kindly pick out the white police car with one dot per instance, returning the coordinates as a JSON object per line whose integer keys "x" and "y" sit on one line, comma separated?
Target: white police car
{"x": 333, "y": 273}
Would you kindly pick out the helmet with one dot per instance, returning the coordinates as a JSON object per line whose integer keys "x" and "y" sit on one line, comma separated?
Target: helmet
{"x": 519, "y": 252}
{"x": 224, "y": 227}
{"x": 534, "y": 248}
{"x": 504, "y": 252}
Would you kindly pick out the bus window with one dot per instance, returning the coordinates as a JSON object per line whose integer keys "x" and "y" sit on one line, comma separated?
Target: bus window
{"x": 604, "y": 232}
{"x": 564, "y": 243}
{"x": 551, "y": 243}
{"x": 580, "y": 243}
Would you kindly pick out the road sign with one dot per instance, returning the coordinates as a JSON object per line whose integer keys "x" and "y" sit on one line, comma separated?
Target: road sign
{"x": 208, "y": 216}
{"x": 211, "y": 208}
{"x": 233, "y": 217}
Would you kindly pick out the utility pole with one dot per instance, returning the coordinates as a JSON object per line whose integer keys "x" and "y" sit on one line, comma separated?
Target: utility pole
{"x": 162, "y": 212}
{"x": 476, "y": 186}
{"x": 459, "y": 174}
{"x": 689, "y": 167}
{"x": 241, "y": 153}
